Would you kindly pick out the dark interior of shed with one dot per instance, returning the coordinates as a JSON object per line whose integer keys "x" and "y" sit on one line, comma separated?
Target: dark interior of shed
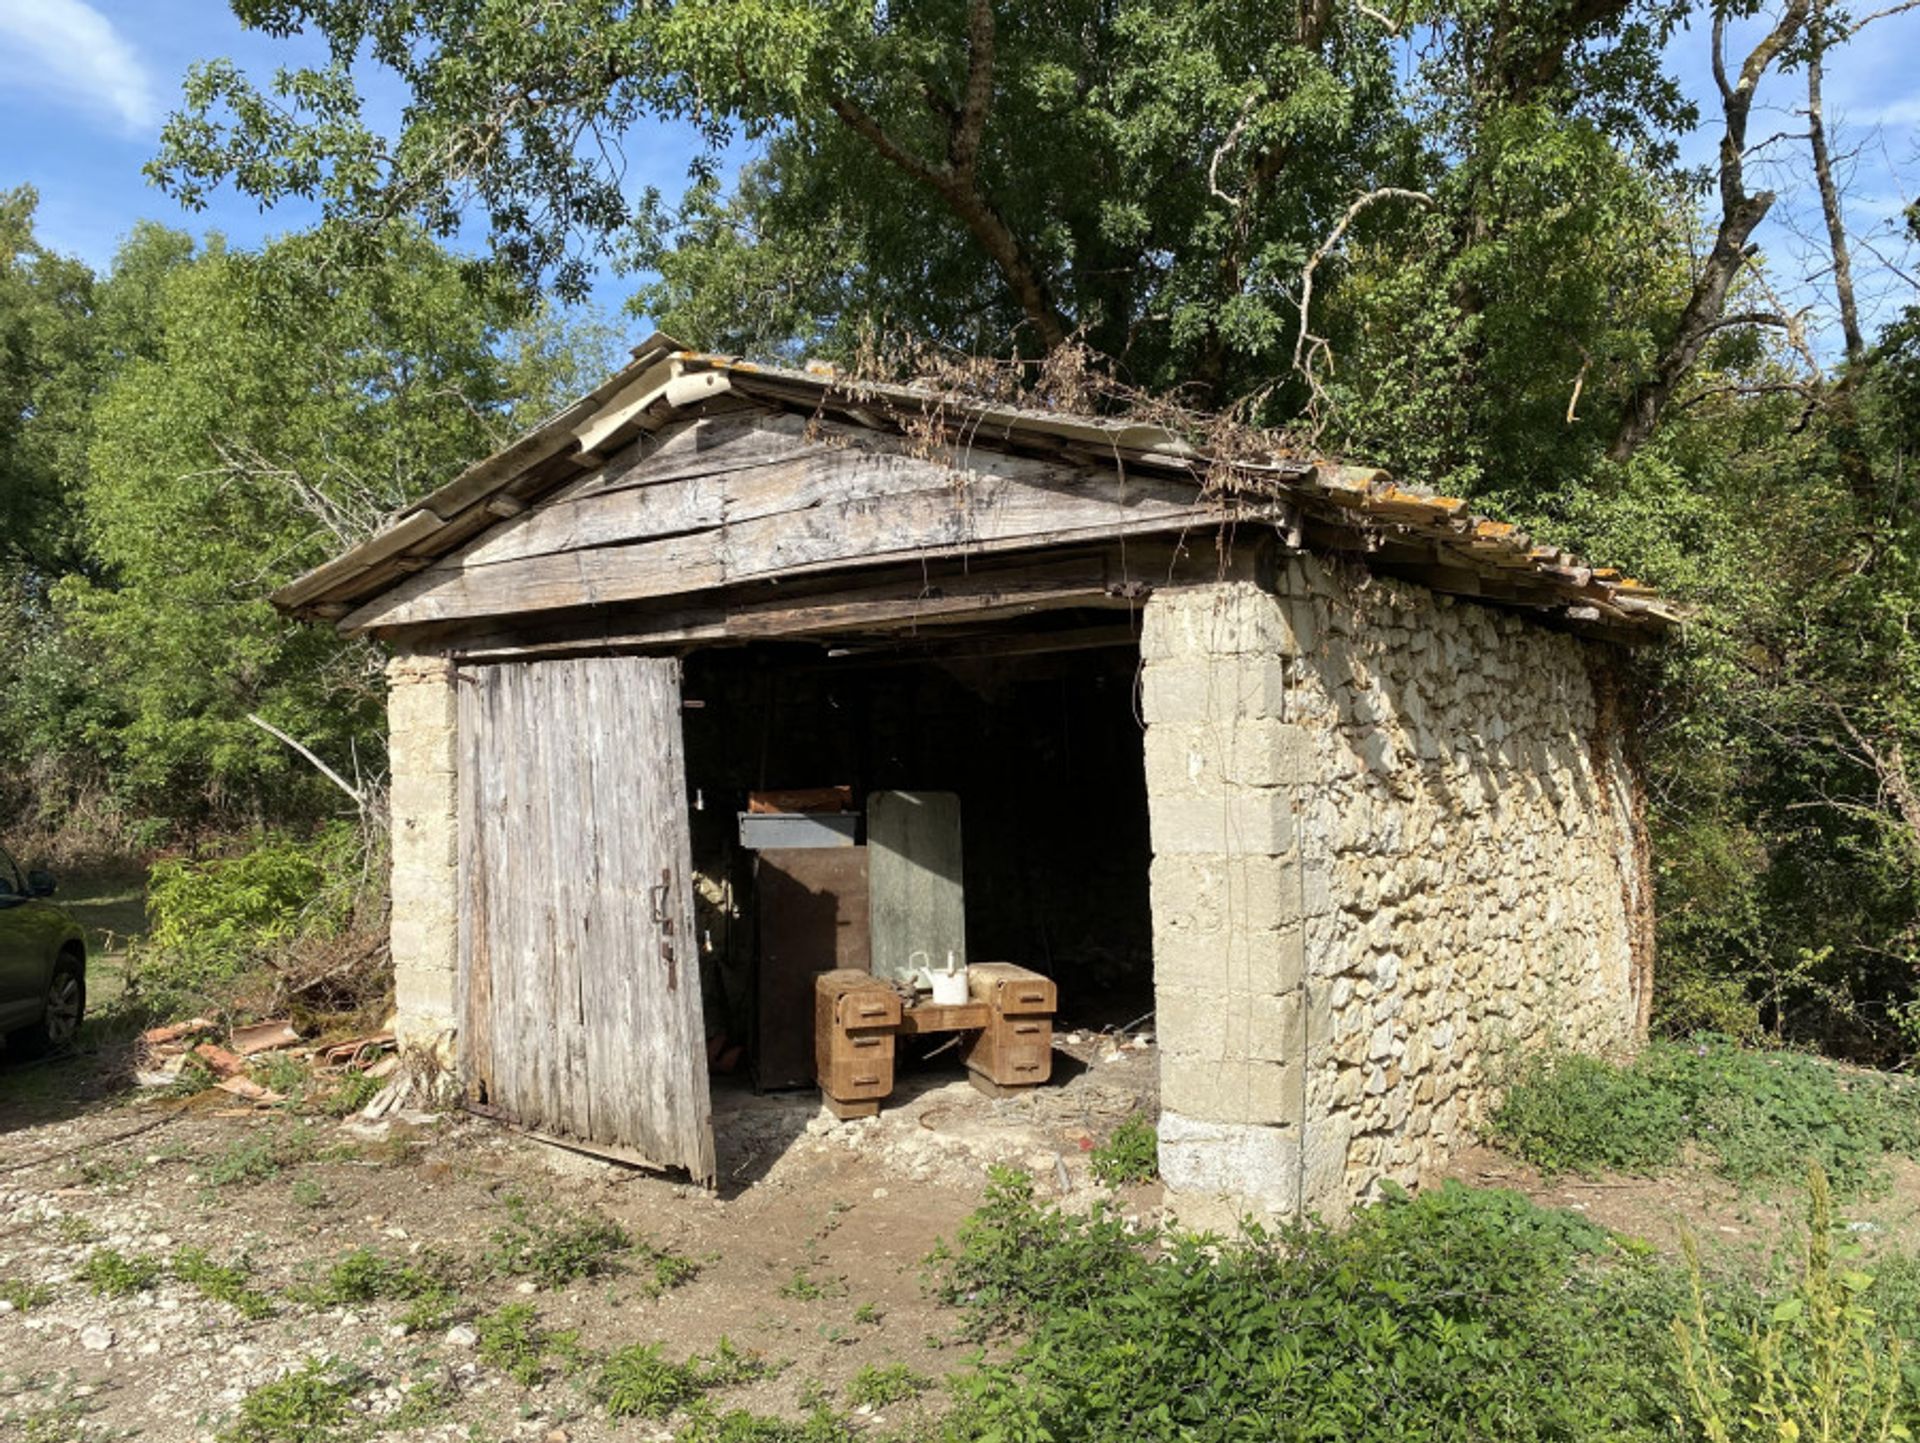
{"x": 1041, "y": 745}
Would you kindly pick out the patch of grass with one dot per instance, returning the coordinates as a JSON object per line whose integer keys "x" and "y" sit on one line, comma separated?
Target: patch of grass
{"x": 513, "y": 1340}
{"x": 222, "y": 1282}
{"x": 256, "y": 1159}
{"x": 874, "y": 1387}
{"x": 1759, "y": 1117}
{"x": 111, "y": 1274}
{"x": 25, "y": 1296}
{"x": 554, "y": 1247}
{"x": 1131, "y": 1155}
{"x": 638, "y": 1382}
{"x": 311, "y": 1405}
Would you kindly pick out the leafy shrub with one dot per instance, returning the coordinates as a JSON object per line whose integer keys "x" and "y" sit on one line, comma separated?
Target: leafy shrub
{"x": 1015, "y": 1260}
{"x": 212, "y": 919}
{"x": 1463, "y": 1314}
{"x": 1760, "y": 1116}
{"x": 222, "y": 1282}
{"x": 1822, "y": 1368}
{"x": 113, "y": 1275}
{"x": 638, "y": 1382}
{"x": 256, "y": 1159}
{"x": 308, "y": 1406}
{"x": 882, "y": 1387}
{"x": 513, "y": 1340}
{"x": 555, "y": 1248}
{"x": 1131, "y": 1155}
{"x": 23, "y": 1296}
{"x": 363, "y": 1276}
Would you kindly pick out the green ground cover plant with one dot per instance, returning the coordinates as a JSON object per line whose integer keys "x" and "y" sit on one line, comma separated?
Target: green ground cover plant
{"x": 1759, "y": 1118}
{"x": 1131, "y": 1155}
{"x": 1462, "y": 1314}
{"x": 640, "y": 1382}
{"x": 554, "y": 1247}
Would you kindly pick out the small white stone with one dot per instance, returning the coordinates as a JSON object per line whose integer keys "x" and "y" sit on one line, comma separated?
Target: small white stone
{"x": 96, "y": 1338}
{"x": 528, "y": 1287}
{"x": 461, "y": 1336}
{"x": 880, "y": 1192}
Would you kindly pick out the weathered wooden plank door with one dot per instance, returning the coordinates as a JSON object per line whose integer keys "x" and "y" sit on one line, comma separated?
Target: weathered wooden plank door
{"x": 579, "y": 979}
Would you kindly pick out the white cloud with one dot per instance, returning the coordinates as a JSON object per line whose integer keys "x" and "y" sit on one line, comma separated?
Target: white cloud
{"x": 70, "y": 52}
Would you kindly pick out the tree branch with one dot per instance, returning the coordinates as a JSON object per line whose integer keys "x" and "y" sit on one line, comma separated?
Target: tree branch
{"x": 1740, "y": 214}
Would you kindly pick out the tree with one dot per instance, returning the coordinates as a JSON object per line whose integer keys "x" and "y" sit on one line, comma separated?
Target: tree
{"x": 263, "y": 419}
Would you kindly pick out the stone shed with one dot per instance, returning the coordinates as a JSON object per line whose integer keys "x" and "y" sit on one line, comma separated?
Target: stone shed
{"x": 1332, "y": 776}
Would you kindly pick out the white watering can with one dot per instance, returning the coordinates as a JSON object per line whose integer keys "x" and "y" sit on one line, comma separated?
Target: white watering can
{"x": 949, "y": 987}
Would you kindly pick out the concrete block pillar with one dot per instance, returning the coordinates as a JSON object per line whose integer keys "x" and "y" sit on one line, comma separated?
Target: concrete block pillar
{"x": 422, "y": 743}
{"x": 1225, "y": 767}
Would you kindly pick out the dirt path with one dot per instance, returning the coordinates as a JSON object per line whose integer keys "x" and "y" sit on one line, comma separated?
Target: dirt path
{"x": 811, "y": 1256}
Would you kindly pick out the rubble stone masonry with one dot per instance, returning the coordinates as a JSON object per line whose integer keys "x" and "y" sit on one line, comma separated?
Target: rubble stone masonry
{"x": 421, "y": 742}
{"x": 1396, "y": 842}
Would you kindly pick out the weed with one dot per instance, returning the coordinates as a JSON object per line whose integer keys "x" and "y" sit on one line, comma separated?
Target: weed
{"x": 75, "y": 1230}
{"x": 1131, "y": 1155}
{"x": 363, "y": 1276}
{"x": 1760, "y": 1116}
{"x": 256, "y": 1159}
{"x": 637, "y": 1382}
{"x": 355, "y": 1091}
{"x": 667, "y": 1270}
{"x": 422, "y": 1405}
{"x": 821, "y": 1425}
{"x": 868, "y": 1315}
{"x": 806, "y": 1289}
{"x": 112, "y": 1275}
{"x": 306, "y": 1193}
{"x": 311, "y": 1405}
{"x": 555, "y": 1248}
{"x": 24, "y": 1297}
{"x": 882, "y": 1387}
{"x": 193, "y": 1078}
{"x": 1821, "y": 1368}
{"x": 222, "y": 1282}
{"x": 513, "y": 1340}
{"x": 288, "y": 1076}
{"x": 1463, "y": 1314}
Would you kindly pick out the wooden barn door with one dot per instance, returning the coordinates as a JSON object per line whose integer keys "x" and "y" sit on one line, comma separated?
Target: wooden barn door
{"x": 579, "y": 978}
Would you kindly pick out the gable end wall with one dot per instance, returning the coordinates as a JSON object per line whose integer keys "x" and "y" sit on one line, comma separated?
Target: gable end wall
{"x": 1396, "y": 844}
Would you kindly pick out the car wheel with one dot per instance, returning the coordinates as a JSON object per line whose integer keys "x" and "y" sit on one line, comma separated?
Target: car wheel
{"x": 59, "y": 1021}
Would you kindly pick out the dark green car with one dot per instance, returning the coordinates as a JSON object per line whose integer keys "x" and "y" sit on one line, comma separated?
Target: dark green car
{"x": 43, "y": 963}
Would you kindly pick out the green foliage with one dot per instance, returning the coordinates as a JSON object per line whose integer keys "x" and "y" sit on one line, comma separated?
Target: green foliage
{"x": 222, "y": 1282}
{"x": 213, "y": 919}
{"x": 1131, "y": 1155}
{"x": 364, "y": 1276}
{"x": 705, "y": 1424}
{"x": 1761, "y": 1117}
{"x": 311, "y": 1405}
{"x": 24, "y": 1296}
{"x": 113, "y": 1275}
{"x": 1460, "y": 1314}
{"x": 554, "y": 1247}
{"x": 1013, "y": 1259}
{"x": 638, "y": 1382}
{"x": 875, "y": 1387}
{"x": 256, "y": 1159}
{"x": 355, "y": 1091}
{"x": 513, "y": 1340}
{"x": 1821, "y": 1367}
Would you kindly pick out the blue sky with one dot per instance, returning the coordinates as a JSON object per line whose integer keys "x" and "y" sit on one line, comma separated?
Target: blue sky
{"x": 84, "y": 85}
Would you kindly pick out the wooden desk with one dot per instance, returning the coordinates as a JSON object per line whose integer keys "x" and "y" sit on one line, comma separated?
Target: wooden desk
{"x": 857, "y": 1016}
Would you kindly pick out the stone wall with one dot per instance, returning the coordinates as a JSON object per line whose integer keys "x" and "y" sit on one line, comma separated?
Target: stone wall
{"x": 1395, "y": 842}
{"x": 421, "y": 743}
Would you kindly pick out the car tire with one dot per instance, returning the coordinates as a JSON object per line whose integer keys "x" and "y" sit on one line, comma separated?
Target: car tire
{"x": 66, "y": 1005}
